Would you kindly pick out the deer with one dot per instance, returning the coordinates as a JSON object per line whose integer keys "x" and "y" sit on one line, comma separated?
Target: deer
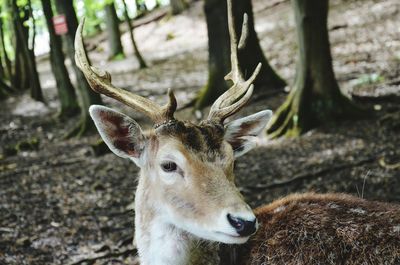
{"x": 187, "y": 203}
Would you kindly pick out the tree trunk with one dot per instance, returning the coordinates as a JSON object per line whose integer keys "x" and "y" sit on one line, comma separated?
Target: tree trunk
{"x": 114, "y": 35}
{"x": 66, "y": 93}
{"x": 158, "y": 4}
{"x": 315, "y": 98}
{"x": 18, "y": 70}
{"x": 141, "y": 7}
{"x": 28, "y": 54}
{"x": 87, "y": 95}
{"x": 2, "y": 71}
{"x": 3, "y": 53}
{"x": 2, "y": 48}
{"x": 2, "y": 68}
{"x": 142, "y": 63}
{"x": 177, "y": 6}
{"x": 33, "y": 29}
{"x": 18, "y": 79}
{"x": 219, "y": 51}
{"x": 4, "y": 89}
{"x": 36, "y": 88}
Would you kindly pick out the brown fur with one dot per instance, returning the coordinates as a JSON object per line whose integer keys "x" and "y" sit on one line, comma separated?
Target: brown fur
{"x": 204, "y": 137}
{"x": 324, "y": 229}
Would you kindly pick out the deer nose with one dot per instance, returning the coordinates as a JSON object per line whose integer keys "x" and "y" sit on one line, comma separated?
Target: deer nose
{"x": 243, "y": 227}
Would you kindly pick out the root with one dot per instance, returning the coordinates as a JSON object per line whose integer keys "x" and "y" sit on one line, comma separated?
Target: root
{"x": 293, "y": 119}
{"x": 283, "y": 123}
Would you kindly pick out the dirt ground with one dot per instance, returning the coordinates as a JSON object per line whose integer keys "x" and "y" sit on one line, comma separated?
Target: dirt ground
{"x": 61, "y": 204}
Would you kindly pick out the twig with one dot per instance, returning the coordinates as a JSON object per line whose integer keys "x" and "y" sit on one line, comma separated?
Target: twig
{"x": 363, "y": 187}
{"x": 270, "y": 4}
{"x": 383, "y": 164}
{"x": 92, "y": 259}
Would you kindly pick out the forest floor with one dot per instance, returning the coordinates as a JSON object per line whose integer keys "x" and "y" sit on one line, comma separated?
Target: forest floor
{"x": 61, "y": 204}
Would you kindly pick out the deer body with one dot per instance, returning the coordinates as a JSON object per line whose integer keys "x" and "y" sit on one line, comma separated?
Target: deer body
{"x": 324, "y": 229}
{"x": 298, "y": 229}
{"x": 187, "y": 203}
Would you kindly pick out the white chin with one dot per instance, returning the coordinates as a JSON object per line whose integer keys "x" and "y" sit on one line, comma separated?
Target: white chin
{"x": 216, "y": 236}
{"x": 230, "y": 239}
{"x": 223, "y": 237}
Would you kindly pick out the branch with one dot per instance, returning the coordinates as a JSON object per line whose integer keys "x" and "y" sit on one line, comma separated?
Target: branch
{"x": 92, "y": 258}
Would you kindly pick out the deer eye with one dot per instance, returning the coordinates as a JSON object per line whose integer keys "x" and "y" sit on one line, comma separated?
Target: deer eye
{"x": 169, "y": 166}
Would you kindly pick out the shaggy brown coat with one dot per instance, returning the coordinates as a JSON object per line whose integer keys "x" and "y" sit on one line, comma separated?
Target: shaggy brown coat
{"x": 324, "y": 229}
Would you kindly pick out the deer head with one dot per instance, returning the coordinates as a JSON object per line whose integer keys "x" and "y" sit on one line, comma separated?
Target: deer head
{"x": 187, "y": 174}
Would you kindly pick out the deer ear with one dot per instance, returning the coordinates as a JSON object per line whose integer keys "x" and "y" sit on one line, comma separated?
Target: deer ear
{"x": 242, "y": 133}
{"x": 122, "y": 135}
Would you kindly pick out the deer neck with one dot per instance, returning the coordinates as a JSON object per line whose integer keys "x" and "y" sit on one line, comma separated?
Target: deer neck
{"x": 161, "y": 243}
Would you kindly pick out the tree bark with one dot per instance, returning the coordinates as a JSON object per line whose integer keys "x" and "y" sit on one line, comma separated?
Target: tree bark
{"x": 315, "y": 98}
{"x": 2, "y": 48}
{"x": 2, "y": 75}
{"x": 4, "y": 89}
{"x": 142, "y": 63}
{"x": 219, "y": 51}
{"x": 158, "y": 4}
{"x": 18, "y": 79}
{"x": 141, "y": 7}
{"x": 3, "y": 53}
{"x": 33, "y": 29}
{"x": 28, "y": 54}
{"x": 3, "y": 85}
{"x": 87, "y": 95}
{"x": 178, "y": 6}
{"x": 114, "y": 35}
{"x": 18, "y": 69}
{"x": 2, "y": 70}
{"x": 66, "y": 93}
{"x": 2, "y": 67}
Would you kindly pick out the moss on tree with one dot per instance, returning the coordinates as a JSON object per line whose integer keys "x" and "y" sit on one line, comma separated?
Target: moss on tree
{"x": 315, "y": 98}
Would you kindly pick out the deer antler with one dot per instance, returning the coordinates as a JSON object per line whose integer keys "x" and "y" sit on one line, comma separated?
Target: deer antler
{"x": 100, "y": 81}
{"x": 230, "y": 102}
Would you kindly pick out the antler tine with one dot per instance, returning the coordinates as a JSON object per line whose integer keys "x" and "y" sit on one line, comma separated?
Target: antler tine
{"x": 235, "y": 107}
{"x": 100, "y": 82}
{"x": 235, "y": 73}
{"x": 223, "y": 107}
{"x": 170, "y": 108}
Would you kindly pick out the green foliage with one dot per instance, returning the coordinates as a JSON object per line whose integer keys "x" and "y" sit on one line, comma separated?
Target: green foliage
{"x": 170, "y": 36}
{"x": 368, "y": 79}
{"x": 118, "y": 57}
{"x": 24, "y": 145}
{"x": 22, "y": 2}
{"x": 92, "y": 11}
